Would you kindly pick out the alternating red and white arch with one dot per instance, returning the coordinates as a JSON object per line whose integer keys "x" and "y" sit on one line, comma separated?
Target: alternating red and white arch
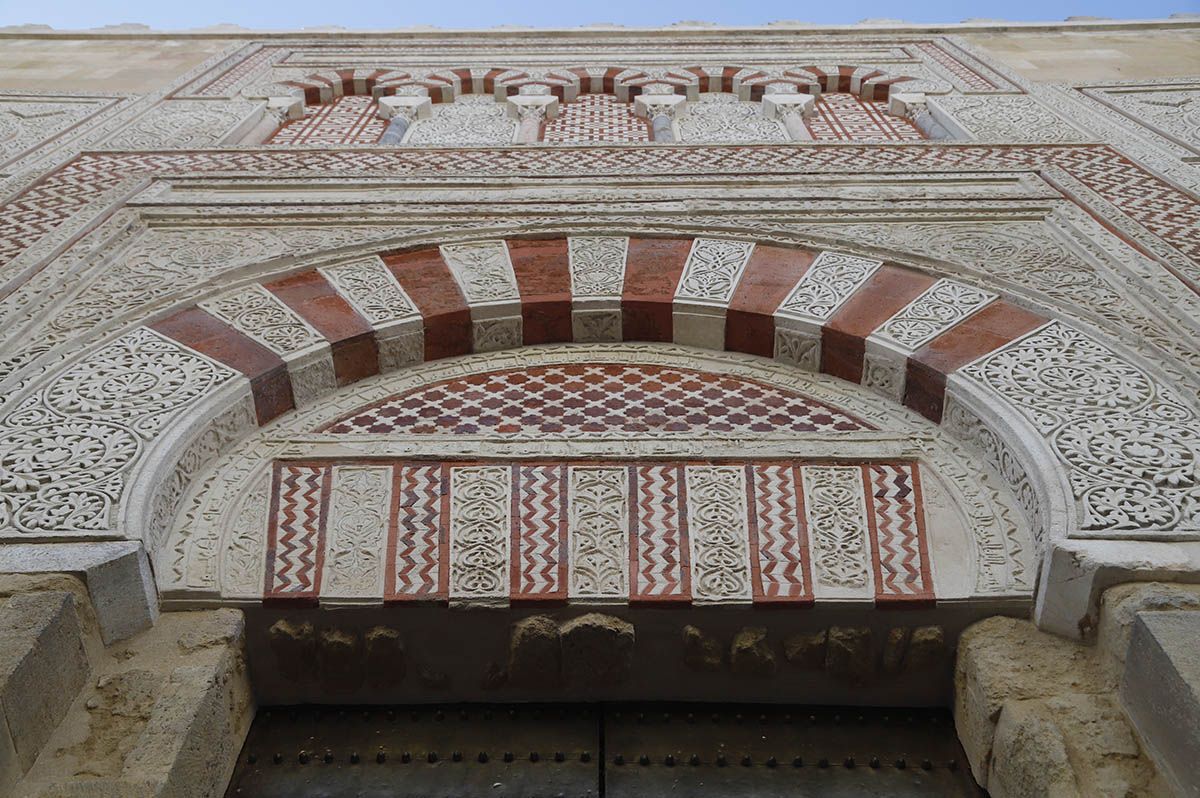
{"x": 900, "y": 331}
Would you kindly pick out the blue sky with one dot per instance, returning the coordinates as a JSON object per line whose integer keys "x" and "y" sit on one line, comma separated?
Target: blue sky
{"x": 178, "y": 14}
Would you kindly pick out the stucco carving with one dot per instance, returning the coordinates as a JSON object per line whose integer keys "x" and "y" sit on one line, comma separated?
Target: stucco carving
{"x": 724, "y": 119}
{"x": 184, "y": 123}
{"x": 68, "y": 448}
{"x": 1133, "y": 446}
{"x": 468, "y": 121}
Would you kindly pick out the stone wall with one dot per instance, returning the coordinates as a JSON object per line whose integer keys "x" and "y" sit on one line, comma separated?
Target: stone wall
{"x": 162, "y": 713}
{"x": 1043, "y": 716}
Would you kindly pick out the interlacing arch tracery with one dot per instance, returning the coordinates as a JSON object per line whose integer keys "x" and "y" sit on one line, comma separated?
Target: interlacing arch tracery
{"x": 600, "y": 104}
{"x": 567, "y": 83}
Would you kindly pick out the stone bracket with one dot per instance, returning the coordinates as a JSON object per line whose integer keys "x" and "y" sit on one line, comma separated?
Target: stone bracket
{"x": 286, "y": 108}
{"x": 1075, "y": 572}
{"x": 117, "y": 575}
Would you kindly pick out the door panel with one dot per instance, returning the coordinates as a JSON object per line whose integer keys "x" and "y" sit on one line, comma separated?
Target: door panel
{"x": 600, "y": 751}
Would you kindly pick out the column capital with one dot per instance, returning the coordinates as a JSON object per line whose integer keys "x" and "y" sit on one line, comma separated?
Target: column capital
{"x": 905, "y": 103}
{"x": 286, "y": 108}
{"x": 652, "y": 105}
{"x": 779, "y": 106}
{"x": 409, "y": 107}
{"x": 521, "y": 105}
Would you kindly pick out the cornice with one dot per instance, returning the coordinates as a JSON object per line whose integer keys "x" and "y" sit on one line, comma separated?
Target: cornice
{"x": 679, "y": 31}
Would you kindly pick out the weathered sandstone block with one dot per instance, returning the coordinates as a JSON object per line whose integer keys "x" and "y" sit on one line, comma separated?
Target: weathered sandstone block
{"x": 597, "y": 650}
{"x": 534, "y": 652}
{"x": 751, "y": 654}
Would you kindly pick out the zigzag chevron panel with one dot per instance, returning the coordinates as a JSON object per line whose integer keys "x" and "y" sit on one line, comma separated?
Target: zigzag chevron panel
{"x": 296, "y": 539}
{"x": 729, "y": 532}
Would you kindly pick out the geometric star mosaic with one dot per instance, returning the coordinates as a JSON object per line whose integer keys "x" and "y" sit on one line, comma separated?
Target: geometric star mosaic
{"x": 602, "y": 398}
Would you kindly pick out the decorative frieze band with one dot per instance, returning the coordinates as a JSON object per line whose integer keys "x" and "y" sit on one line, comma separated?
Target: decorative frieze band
{"x": 595, "y": 532}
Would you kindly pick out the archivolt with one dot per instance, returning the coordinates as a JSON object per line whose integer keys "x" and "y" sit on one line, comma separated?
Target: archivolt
{"x": 1089, "y": 441}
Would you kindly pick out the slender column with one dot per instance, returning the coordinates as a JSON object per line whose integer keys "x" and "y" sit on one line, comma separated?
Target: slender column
{"x": 661, "y": 110}
{"x": 401, "y": 112}
{"x": 531, "y": 111}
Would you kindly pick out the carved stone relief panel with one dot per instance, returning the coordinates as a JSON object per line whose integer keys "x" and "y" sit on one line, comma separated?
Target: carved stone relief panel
{"x": 599, "y": 532}
{"x": 1006, "y": 118}
{"x": 184, "y": 124}
{"x": 1131, "y": 445}
{"x": 724, "y": 119}
{"x": 718, "y": 531}
{"x": 483, "y": 272}
{"x": 480, "y": 502}
{"x": 360, "y": 499}
{"x": 469, "y": 121}
{"x": 29, "y": 120}
{"x": 837, "y": 516}
{"x": 371, "y": 289}
{"x": 68, "y": 449}
{"x": 1170, "y": 106}
{"x": 712, "y": 270}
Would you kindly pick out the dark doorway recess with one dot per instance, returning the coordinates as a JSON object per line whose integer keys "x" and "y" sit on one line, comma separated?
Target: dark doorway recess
{"x": 600, "y": 751}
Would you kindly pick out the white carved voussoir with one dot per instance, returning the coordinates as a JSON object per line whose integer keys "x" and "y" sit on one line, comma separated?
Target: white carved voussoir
{"x": 711, "y": 273}
{"x": 372, "y": 289}
{"x": 597, "y": 269}
{"x": 831, "y": 279}
{"x": 257, "y": 313}
{"x": 484, "y": 273}
{"x": 943, "y": 305}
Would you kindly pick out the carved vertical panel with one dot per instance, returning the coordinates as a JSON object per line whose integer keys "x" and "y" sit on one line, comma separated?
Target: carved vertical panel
{"x": 356, "y": 531}
{"x": 599, "y": 533}
{"x": 480, "y": 528}
{"x": 597, "y": 265}
{"x": 837, "y": 522}
{"x": 718, "y": 533}
{"x": 245, "y": 543}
